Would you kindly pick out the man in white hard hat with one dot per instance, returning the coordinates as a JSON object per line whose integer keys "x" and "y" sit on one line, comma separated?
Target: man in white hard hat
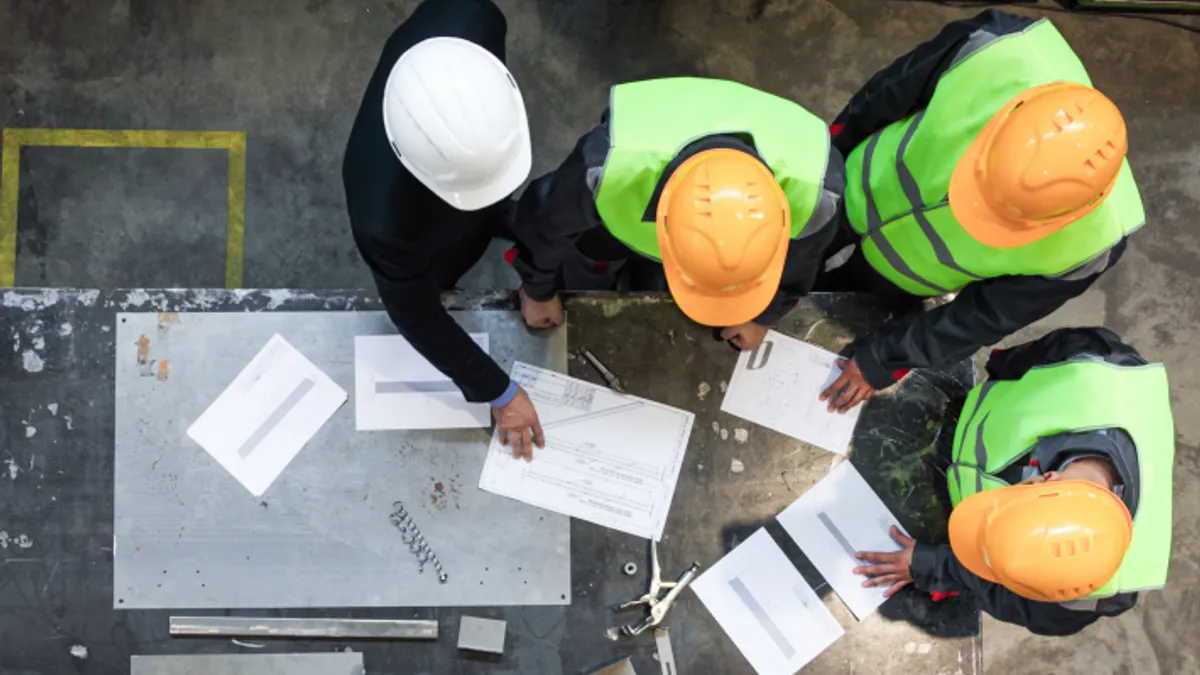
{"x": 439, "y": 144}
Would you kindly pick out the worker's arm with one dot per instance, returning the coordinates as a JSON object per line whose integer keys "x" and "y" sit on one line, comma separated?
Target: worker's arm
{"x": 554, "y": 211}
{"x": 907, "y": 85}
{"x": 413, "y": 302}
{"x": 981, "y": 314}
{"x": 934, "y": 568}
{"x": 1058, "y": 346}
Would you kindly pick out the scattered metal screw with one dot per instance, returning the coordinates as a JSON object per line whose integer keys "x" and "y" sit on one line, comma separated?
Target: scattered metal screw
{"x": 411, "y": 535}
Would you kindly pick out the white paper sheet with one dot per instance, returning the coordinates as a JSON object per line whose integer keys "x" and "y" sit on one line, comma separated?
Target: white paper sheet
{"x": 778, "y": 385}
{"x": 769, "y": 611}
{"x": 266, "y": 415}
{"x": 836, "y": 518}
{"x": 396, "y": 388}
{"x": 610, "y": 459}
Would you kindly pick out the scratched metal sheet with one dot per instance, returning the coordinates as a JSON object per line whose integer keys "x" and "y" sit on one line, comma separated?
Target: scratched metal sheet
{"x": 338, "y": 663}
{"x": 188, "y": 535}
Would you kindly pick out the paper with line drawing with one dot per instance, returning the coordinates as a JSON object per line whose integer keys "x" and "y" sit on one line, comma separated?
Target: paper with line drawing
{"x": 777, "y": 386}
{"x": 396, "y": 388}
{"x": 836, "y": 518}
{"x": 267, "y": 414}
{"x": 610, "y": 459}
{"x": 769, "y": 611}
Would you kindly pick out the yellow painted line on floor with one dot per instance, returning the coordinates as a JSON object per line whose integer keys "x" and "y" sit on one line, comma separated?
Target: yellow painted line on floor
{"x": 10, "y": 185}
{"x": 10, "y": 180}
{"x": 235, "y": 222}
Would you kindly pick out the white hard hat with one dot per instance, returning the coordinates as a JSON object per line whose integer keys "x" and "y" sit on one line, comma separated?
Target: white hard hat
{"x": 456, "y": 119}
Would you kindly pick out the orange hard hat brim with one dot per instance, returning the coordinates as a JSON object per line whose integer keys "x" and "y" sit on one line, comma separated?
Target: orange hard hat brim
{"x": 726, "y": 309}
{"x": 968, "y": 523}
{"x": 967, "y": 202}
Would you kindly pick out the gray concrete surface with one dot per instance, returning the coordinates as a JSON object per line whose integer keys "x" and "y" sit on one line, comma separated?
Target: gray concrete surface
{"x": 290, "y": 75}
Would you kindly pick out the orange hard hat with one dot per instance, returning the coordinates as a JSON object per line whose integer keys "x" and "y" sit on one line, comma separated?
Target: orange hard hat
{"x": 1054, "y": 541}
{"x": 1045, "y": 160}
{"x": 723, "y": 232}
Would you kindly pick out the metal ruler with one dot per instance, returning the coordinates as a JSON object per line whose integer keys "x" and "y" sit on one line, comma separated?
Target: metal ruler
{"x": 666, "y": 658}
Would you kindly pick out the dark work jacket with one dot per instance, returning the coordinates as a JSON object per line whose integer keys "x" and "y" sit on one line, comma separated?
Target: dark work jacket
{"x": 414, "y": 242}
{"x": 934, "y": 567}
{"x": 983, "y": 312}
{"x": 562, "y": 237}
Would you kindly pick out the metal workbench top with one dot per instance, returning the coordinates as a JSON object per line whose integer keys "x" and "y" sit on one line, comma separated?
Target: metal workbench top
{"x": 56, "y": 496}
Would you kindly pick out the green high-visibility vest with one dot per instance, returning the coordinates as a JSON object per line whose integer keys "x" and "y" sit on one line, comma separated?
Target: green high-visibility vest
{"x": 1003, "y": 420}
{"x": 652, "y": 120}
{"x": 897, "y": 181}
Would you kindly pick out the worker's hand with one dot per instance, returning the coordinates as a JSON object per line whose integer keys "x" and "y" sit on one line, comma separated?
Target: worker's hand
{"x": 542, "y": 314}
{"x": 888, "y": 569}
{"x": 746, "y": 337}
{"x": 518, "y": 422}
{"x": 849, "y": 389}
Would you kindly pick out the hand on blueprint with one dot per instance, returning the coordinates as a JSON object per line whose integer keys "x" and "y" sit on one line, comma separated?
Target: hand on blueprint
{"x": 849, "y": 389}
{"x": 518, "y": 422}
{"x": 542, "y": 314}
{"x": 746, "y": 337}
{"x": 888, "y": 569}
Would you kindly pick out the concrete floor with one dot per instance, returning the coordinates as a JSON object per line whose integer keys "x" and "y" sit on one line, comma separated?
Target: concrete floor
{"x": 290, "y": 75}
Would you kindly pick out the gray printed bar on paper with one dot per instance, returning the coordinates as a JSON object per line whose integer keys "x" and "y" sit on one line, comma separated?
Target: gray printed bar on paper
{"x": 764, "y": 619}
{"x": 837, "y": 534}
{"x": 424, "y": 387}
{"x": 369, "y": 629}
{"x": 276, "y": 417}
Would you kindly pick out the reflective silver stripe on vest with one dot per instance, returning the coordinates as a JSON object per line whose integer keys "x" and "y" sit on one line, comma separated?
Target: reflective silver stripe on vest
{"x": 873, "y": 221}
{"x": 980, "y": 453}
{"x": 980, "y": 448}
{"x": 909, "y": 184}
{"x": 874, "y": 224}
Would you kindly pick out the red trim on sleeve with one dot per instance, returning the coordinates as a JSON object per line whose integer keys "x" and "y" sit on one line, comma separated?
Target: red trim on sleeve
{"x": 510, "y": 255}
{"x": 835, "y": 129}
{"x": 939, "y": 596}
{"x": 897, "y": 374}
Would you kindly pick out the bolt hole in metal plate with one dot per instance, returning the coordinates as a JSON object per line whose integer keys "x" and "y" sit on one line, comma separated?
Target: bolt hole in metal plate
{"x": 189, "y": 535}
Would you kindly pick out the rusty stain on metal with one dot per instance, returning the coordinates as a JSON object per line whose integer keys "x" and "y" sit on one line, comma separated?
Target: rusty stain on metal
{"x": 144, "y": 362}
{"x": 164, "y": 370}
{"x": 166, "y": 319}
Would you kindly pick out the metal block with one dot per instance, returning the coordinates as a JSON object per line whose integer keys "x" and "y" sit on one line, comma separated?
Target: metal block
{"x": 481, "y": 635}
{"x": 337, "y": 663}
{"x": 188, "y": 535}
{"x": 237, "y": 626}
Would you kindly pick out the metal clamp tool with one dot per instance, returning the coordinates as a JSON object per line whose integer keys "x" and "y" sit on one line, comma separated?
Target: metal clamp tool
{"x": 658, "y": 606}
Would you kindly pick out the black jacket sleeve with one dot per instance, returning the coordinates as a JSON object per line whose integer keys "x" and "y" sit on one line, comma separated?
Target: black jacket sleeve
{"x": 907, "y": 85}
{"x": 981, "y": 314}
{"x": 554, "y": 211}
{"x": 412, "y": 298}
{"x": 934, "y": 568}
{"x": 1058, "y": 346}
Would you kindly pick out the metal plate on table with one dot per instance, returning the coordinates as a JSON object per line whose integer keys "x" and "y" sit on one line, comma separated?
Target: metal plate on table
{"x": 188, "y": 535}
{"x": 339, "y": 663}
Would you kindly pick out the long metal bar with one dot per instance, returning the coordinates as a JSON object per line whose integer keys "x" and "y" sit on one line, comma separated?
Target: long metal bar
{"x": 370, "y": 629}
